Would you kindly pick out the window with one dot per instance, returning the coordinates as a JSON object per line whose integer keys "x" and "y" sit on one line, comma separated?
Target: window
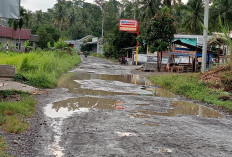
{"x": 18, "y": 46}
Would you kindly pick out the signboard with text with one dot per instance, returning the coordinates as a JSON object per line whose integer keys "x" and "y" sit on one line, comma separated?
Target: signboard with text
{"x": 130, "y": 26}
{"x": 182, "y": 53}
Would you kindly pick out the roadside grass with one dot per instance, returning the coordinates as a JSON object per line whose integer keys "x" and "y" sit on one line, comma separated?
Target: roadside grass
{"x": 3, "y": 148}
{"x": 15, "y": 108}
{"x": 189, "y": 85}
{"x": 41, "y": 69}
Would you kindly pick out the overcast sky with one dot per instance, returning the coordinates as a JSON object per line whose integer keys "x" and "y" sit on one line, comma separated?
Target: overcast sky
{"x": 34, "y": 5}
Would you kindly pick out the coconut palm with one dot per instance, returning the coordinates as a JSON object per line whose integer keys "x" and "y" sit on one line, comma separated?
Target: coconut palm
{"x": 148, "y": 9}
{"x": 193, "y": 17}
{"x": 169, "y": 3}
{"x": 18, "y": 24}
{"x": 222, "y": 9}
{"x": 60, "y": 13}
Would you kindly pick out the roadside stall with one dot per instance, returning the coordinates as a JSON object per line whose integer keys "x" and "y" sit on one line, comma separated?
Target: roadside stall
{"x": 185, "y": 58}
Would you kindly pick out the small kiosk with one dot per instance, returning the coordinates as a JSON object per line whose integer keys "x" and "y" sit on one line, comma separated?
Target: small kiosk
{"x": 187, "y": 58}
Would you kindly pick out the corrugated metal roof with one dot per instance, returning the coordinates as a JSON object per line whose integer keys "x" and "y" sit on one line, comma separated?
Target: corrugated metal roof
{"x": 7, "y": 32}
{"x": 198, "y": 39}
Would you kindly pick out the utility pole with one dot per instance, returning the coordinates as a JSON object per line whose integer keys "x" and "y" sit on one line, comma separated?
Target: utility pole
{"x": 102, "y": 24}
{"x": 205, "y": 35}
{"x": 135, "y": 9}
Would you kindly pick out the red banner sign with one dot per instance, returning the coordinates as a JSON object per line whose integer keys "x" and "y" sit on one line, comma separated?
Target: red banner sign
{"x": 129, "y": 25}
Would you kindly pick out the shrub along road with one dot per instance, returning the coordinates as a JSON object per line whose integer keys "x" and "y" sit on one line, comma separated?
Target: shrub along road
{"x": 103, "y": 109}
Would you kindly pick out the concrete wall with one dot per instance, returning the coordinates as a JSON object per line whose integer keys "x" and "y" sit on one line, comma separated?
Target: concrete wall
{"x": 7, "y": 71}
{"x": 143, "y": 58}
{"x": 12, "y": 45}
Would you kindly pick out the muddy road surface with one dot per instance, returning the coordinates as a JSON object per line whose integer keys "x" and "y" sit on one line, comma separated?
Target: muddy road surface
{"x": 108, "y": 110}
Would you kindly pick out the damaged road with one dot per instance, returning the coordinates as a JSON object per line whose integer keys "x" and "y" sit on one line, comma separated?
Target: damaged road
{"x": 111, "y": 110}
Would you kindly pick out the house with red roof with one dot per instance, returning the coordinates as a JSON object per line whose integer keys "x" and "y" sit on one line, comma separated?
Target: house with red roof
{"x": 16, "y": 38}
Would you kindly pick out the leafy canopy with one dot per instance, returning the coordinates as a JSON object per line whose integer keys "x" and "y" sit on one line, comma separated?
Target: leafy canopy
{"x": 160, "y": 31}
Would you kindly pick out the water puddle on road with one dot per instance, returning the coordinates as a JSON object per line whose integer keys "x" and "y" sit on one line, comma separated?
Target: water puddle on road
{"x": 64, "y": 109}
{"x": 75, "y": 104}
{"x": 103, "y": 85}
{"x": 186, "y": 108}
{"x": 132, "y": 79}
{"x": 75, "y": 87}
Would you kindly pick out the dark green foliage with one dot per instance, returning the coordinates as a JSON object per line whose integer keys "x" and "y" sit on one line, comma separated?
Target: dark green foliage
{"x": 193, "y": 17}
{"x": 115, "y": 42}
{"x": 85, "y": 48}
{"x": 160, "y": 31}
{"x": 110, "y": 16}
{"x": 222, "y": 9}
{"x": 47, "y": 33}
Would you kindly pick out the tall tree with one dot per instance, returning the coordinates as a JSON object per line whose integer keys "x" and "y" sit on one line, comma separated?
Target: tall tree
{"x": 160, "y": 33}
{"x": 148, "y": 9}
{"x": 18, "y": 24}
{"x": 222, "y": 9}
{"x": 60, "y": 12}
{"x": 193, "y": 17}
{"x": 110, "y": 15}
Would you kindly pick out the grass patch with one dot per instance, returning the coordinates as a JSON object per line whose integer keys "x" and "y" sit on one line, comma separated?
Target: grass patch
{"x": 3, "y": 148}
{"x": 190, "y": 86}
{"x": 41, "y": 69}
{"x": 15, "y": 108}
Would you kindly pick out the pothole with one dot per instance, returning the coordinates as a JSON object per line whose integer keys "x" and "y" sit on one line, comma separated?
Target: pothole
{"x": 185, "y": 108}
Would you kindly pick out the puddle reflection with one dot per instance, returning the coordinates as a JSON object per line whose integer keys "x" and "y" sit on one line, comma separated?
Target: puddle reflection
{"x": 186, "y": 108}
{"x": 133, "y": 79}
{"x": 84, "y": 102}
{"x": 75, "y": 87}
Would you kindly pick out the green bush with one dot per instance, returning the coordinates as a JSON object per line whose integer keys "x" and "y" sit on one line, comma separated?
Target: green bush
{"x": 41, "y": 69}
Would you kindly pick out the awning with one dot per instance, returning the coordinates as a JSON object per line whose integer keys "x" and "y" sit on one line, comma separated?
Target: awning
{"x": 194, "y": 48}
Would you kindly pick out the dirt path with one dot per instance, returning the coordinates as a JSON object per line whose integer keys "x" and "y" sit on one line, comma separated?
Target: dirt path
{"x": 111, "y": 110}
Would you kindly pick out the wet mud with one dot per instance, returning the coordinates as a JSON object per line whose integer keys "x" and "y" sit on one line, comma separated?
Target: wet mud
{"x": 106, "y": 109}
{"x": 186, "y": 108}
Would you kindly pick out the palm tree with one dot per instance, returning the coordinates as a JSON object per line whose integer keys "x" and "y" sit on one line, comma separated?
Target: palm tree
{"x": 60, "y": 13}
{"x": 222, "y": 9}
{"x": 193, "y": 17}
{"x": 178, "y": 13}
{"x": 148, "y": 9}
{"x": 18, "y": 24}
